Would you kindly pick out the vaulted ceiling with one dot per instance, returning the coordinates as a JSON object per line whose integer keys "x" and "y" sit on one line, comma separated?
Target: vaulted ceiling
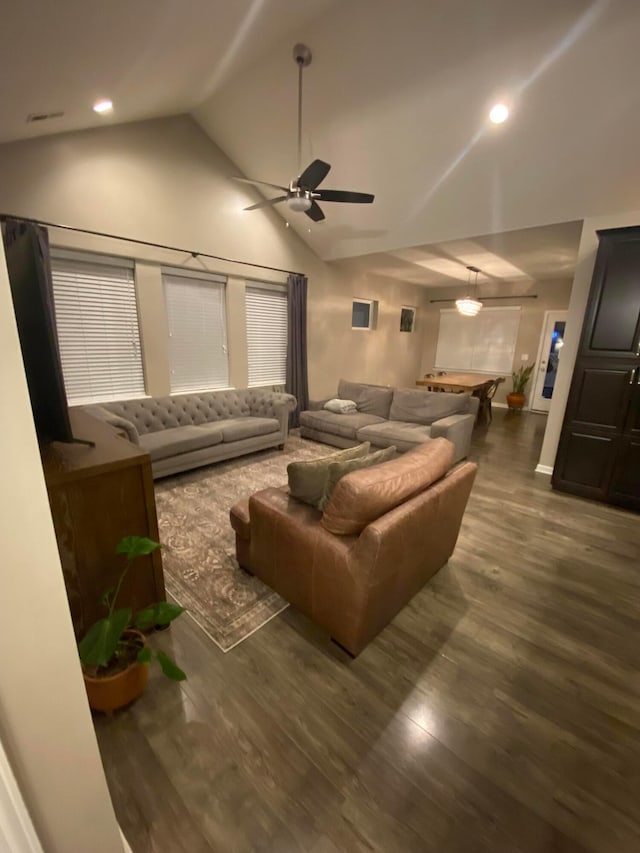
{"x": 396, "y": 99}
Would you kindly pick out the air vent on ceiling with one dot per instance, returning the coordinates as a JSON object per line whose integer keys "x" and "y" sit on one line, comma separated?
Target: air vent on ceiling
{"x": 43, "y": 116}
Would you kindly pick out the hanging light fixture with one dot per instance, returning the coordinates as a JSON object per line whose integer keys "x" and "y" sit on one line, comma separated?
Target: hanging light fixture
{"x": 468, "y": 306}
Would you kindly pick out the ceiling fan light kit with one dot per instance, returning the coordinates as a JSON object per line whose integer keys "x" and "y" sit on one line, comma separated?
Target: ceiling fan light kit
{"x": 302, "y": 195}
{"x": 468, "y": 306}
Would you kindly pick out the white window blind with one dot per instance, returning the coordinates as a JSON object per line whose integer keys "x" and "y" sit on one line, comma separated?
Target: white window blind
{"x": 484, "y": 343}
{"x": 97, "y": 323}
{"x": 197, "y": 331}
{"x": 266, "y": 311}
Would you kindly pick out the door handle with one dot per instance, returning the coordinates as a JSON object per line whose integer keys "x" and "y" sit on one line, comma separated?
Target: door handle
{"x": 632, "y": 378}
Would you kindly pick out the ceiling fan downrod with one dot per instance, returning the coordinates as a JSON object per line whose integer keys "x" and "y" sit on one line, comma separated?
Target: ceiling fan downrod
{"x": 302, "y": 56}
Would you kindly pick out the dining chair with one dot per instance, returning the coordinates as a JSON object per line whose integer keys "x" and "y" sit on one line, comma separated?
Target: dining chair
{"x": 486, "y": 394}
{"x": 430, "y": 376}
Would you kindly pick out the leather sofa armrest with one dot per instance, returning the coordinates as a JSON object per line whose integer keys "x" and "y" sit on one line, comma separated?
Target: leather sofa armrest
{"x": 289, "y": 531}
{"x": 316, "y": 405}
{"x": 240, "y": 519}
{"x": 457, "y": 429}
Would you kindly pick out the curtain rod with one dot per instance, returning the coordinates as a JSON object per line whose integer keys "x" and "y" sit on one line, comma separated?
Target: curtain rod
{"x": 487, "y": 298}
{"x": 5, "y": 216}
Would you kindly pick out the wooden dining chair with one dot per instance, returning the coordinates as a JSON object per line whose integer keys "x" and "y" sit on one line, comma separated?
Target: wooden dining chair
{"x": 487, "y": 393}
{"x": 430, "y": 376}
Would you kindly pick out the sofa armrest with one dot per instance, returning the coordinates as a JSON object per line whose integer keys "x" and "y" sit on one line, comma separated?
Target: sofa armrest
{"x": 316, "y": 405}
{"x": 292, "y": 551}
{"x": 457, "y": 429}
{"x": 273, "y": 404}
{"x": 115, "y": 421}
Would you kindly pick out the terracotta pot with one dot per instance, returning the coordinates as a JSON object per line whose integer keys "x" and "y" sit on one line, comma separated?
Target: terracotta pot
{"x": 515, "y": 401}
{"x": 119, "y": 690}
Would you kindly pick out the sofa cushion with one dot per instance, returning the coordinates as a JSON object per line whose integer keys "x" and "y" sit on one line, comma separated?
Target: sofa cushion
{"x": 345, "y": 425}
{"x": 307, "y": 480}
{"x": 424, "y": 407}
{"x": 339, "y": 469}
{"x": 369, "y": 399}
{"x": 171, "y": 442}
{"x": 235, "y": 429}
{"x": 404, "y": 436}
{"x": 361, "y": 497}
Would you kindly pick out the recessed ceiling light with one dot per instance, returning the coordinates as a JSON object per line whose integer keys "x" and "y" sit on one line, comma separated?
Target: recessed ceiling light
{"x": 103, "y": 106}
{"x": 499, "y": 113}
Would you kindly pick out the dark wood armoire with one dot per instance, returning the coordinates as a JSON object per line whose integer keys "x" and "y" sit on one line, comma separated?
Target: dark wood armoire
{"x": 599, "y": 451}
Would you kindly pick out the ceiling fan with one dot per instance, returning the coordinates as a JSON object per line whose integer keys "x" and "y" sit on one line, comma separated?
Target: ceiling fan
{"x": 303, "y": 194}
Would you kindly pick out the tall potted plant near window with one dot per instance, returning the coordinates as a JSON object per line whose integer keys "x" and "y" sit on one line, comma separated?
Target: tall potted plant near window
{"x": 520, "y": 379}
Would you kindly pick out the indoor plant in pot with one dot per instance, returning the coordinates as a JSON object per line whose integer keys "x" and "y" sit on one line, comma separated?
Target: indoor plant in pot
{"x": 520, "y": 378}
{"x": 114, "y": 652}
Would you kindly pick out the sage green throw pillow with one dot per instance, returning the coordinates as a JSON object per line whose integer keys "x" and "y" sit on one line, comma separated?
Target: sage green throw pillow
{"x": 338, "y": 469}
{"x": 307, "y": 480}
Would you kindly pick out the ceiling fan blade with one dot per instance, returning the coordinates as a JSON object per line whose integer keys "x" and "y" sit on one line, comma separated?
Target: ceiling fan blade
{"x": 266, "y": 203}
{"x": 315, "y": 212}
{"x": 313, "y": 175}
{"x": 344, "y": 195}
{"x": 259, "y": 183}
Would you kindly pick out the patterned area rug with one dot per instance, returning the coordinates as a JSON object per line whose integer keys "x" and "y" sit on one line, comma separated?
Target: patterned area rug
{"x": 199, "y": 561}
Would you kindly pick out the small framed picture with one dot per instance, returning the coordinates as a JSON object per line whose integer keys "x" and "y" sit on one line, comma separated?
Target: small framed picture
{"x": 407, "y": 318}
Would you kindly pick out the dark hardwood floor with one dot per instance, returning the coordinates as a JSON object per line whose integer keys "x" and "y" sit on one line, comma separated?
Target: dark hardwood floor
{"x": 499, "y": 712}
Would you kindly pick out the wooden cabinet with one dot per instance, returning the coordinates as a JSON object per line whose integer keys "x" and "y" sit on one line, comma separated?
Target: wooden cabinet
{"x": 98, "y": 495}
{"x": 599, "y": 450}
{"x": 612, "y": 322}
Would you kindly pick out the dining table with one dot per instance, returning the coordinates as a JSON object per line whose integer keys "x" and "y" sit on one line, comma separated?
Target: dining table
{"x": 467, "y": 382}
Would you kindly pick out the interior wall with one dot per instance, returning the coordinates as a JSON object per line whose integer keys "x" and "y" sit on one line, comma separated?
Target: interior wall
{"x": 165, "y": 181}
{"x": 45, "y": 723}
{"x": 551, "y": 296}
{"x": 382, "y": 356}
{"x": 587, "y": 251}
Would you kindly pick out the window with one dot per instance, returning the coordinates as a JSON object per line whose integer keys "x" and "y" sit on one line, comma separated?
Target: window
{"x": 198, "y": 357}
{"x": 97, "y": 322}
{"x": 484, "y": 343}
{"x": 363, "y": 314}
{"x": 266, "y": 313}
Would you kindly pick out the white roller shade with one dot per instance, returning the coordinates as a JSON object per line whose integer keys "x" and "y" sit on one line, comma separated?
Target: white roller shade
{"x": 266, "y": 335}
{"x": 97, "y": 322}
{"x": 197, "y": 332}
{"x": 485, "y": 343}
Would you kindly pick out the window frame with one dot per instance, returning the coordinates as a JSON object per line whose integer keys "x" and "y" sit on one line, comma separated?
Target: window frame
{"x": 203, "y": 278}
{"x": 283, "y": 293}
{"x": 93, "y": 261}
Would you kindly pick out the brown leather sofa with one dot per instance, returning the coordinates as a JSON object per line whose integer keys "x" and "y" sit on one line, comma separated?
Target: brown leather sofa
{"x": 385, "y": 531}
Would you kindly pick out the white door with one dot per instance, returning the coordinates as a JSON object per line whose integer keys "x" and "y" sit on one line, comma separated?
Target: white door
{"x": 549, "y": 354}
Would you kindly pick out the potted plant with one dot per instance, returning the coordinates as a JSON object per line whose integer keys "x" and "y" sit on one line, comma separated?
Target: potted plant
{"x": 520, "y": 378}
{"x": 114, "y": 652}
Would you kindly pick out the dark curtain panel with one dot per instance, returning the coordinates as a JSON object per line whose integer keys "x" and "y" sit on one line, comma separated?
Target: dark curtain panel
{"x": 297, "y": 382}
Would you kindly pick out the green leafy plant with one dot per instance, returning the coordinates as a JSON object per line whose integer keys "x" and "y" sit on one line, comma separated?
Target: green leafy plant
{"x": 521, "y": 378}
{"x": 107, "y": 646}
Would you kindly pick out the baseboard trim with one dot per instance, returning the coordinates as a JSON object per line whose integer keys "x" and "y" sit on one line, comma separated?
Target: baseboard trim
{"x": 505, "y": 406}
{"x": 544, "y": 469}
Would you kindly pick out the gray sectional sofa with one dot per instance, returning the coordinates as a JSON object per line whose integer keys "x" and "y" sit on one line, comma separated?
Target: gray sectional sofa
{"x": 404, "y": 417}
{"x": 189, "y": 430}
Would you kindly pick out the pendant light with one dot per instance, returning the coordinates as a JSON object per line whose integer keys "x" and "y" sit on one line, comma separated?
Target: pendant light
{"x": 468, "y": 306}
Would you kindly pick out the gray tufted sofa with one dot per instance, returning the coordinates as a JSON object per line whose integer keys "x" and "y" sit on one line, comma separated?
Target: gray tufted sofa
{"x": 188, "y": 430}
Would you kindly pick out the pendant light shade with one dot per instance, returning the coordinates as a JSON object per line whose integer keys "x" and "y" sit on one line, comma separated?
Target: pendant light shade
{"x": 468, "y": 306}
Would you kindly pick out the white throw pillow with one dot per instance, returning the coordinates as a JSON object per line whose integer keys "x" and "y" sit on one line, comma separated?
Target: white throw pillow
{"x": 341, "y": 407}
